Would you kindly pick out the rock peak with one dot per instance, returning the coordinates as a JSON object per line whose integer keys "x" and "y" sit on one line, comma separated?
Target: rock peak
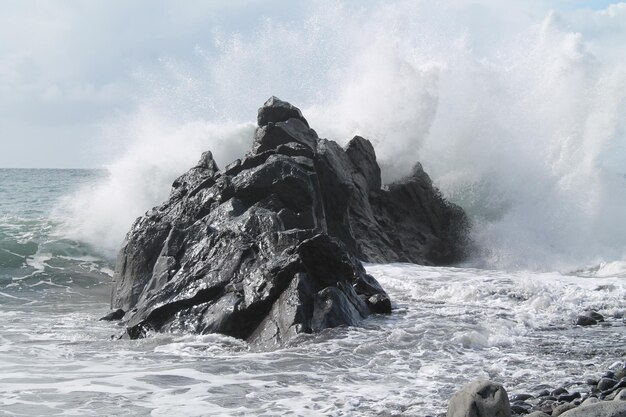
{"x": 275, "y": 110}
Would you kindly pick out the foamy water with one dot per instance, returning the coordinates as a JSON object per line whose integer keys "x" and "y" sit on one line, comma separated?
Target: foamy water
{"x": 449, "y": 326}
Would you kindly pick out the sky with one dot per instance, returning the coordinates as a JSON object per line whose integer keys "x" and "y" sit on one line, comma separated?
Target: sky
{"x": 70, "y": 71}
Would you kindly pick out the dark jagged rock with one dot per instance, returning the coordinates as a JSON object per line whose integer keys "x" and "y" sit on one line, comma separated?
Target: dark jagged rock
{"x": 269, "y": 247}
{"x": 407, "y": 221}
{"x": 114, "y": 315}
{"x": 275, "y": 110}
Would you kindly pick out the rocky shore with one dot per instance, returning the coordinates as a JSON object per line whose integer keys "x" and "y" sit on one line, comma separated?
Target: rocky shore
{"x": 604, "y": 396}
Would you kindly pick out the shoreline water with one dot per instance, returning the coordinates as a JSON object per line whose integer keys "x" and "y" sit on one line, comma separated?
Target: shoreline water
{"x": 411, "y": 362}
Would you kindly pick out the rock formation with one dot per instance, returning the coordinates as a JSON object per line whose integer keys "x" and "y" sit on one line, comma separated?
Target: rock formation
{"x": 269, "y": 247}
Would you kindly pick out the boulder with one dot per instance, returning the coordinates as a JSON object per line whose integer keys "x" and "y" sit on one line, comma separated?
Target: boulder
{"x": 480, "y": 399}
{"x": 599, "y": 409}
{"x": 606, "y": 383}
{"x": 271, "y": 246}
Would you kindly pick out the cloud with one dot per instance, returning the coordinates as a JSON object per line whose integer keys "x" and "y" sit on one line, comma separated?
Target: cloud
{"x": 75, "y": 64}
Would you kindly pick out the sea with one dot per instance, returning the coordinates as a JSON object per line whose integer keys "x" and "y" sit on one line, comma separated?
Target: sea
{"x": 449, "y": 325}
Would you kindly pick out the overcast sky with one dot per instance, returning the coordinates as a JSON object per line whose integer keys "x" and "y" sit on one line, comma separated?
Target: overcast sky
{"x": 69, "y": 69}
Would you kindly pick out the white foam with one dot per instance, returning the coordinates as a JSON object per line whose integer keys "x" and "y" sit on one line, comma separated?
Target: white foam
{"x": 523, "y": 126}
{"x": 449, "y": 326}
{"x": 160, "y": 151}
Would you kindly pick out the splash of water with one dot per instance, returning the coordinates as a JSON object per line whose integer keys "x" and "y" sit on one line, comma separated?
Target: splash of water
{"x": 102, "y": 212}
{"x": 517, "y": 113}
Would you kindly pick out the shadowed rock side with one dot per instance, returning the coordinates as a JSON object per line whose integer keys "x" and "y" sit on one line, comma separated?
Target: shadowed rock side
{"x": 268, "y": 247}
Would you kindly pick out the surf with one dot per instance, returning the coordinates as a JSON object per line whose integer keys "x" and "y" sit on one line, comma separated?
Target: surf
{"x": 522, "y": 127}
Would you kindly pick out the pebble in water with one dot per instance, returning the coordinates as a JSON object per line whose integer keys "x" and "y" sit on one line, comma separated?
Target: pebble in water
{"x": 606, "y": 383}
{"x": 585, "y": 321}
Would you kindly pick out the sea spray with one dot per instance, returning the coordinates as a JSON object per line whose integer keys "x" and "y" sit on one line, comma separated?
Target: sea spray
{"x": 102, "y": 212}
{"x": 521, "y": 124}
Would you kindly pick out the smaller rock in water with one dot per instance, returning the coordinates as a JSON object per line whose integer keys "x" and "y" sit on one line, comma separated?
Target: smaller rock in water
{"x": 521, "y": 397}
{"x": 114, "y": 315}
{"x": 594, "y": 315}
{"x": 538, "y": 414}
{"x": 546, "y": 393}
{"x": 480, "y": 399}
{"x": 606, "y": 383}
{"x": 559, "y": 391}
{"x": 379, "y": 304}
{"x": 569, "y": 397}
{"x": 546, "y": 406}
{"x": 521, "y": 408}
{"x": 585, "y": 321}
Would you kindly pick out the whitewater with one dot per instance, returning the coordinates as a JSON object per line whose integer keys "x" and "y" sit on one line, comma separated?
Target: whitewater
{"x": 522, "y": 124}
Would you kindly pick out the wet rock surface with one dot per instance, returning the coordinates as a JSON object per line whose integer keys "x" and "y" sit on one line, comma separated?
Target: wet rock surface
{"x": 270, "y": 246}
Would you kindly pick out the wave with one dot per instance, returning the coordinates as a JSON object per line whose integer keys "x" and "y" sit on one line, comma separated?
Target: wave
{"x": 38, "y": 266}
{"x": 517, "y": 112}
{"x": 102, "y": 212}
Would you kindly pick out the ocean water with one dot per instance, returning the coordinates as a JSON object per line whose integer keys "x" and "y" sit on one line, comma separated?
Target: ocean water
{"x": 517, "y": 110}
{"x": 449, "y": 326}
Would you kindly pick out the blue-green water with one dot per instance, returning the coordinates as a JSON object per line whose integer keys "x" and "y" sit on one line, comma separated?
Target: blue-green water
{"x": 449, "y": 326}
{"x": 37, "y": 263}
